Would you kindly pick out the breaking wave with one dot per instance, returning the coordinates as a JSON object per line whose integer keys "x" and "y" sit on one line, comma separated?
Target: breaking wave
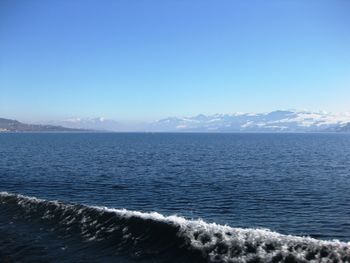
{"x": 146, "y": 236}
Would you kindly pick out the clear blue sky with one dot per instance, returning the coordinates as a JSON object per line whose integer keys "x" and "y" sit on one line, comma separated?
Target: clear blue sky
{"x": 142, "y": 60}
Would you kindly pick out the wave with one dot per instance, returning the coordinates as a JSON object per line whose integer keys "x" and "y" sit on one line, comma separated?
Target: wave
{"x": 172, "y": 238}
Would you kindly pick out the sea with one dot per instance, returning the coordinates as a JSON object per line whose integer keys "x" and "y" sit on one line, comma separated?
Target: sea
{"x": 174, "y": 197}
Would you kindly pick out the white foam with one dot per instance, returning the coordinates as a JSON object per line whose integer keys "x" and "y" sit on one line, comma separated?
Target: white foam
{"x": 208, "y": 237}
{"x": 239, "y": 237}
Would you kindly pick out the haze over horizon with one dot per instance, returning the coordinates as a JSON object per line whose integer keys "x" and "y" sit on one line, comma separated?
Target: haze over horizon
{"x": 275, "y": 121}
{"x": 137, "y": 61}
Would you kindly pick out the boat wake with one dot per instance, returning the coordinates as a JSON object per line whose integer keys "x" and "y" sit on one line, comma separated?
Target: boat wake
{"x": 158, "y": 238}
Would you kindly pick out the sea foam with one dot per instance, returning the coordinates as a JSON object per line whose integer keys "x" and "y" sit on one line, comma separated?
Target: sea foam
{"x": 153, "y": 235}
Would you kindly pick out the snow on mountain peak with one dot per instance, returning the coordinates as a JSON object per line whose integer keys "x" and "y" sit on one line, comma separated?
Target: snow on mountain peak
{"x": 275, "y": 121}
{"x": 280, "y": 120}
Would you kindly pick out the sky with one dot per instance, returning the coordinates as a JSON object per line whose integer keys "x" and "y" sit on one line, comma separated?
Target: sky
{"x": 141, "y": 60}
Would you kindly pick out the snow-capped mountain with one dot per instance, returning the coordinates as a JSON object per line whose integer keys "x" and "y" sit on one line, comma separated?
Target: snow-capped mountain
{"x": 100, "y": 123}
{"x": 276, "y": 121}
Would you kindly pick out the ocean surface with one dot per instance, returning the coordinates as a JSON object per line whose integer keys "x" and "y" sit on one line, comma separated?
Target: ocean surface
{"x": 105, "y": 197}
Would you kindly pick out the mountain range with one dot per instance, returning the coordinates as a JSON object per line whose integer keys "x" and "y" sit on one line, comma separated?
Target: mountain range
{"x": 275, "y": 121}
{"x": 8, "y": 125}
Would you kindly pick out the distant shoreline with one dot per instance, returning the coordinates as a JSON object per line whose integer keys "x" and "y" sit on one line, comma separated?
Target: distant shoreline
{"x": 170, "y": 132}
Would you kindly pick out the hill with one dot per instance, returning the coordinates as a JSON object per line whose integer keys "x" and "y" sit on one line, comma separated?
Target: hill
{"x": 8, "y": 125}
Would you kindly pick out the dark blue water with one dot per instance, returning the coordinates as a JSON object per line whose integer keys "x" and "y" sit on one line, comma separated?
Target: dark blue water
{"x": 294, "y": 184}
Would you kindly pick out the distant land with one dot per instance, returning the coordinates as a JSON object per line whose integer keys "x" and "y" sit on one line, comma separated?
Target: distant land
{"x": 8, "y": 125}
{"x": 275, "y": 121}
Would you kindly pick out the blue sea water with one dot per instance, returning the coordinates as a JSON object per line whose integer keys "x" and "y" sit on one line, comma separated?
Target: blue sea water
{"x": 293, "y": 184}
